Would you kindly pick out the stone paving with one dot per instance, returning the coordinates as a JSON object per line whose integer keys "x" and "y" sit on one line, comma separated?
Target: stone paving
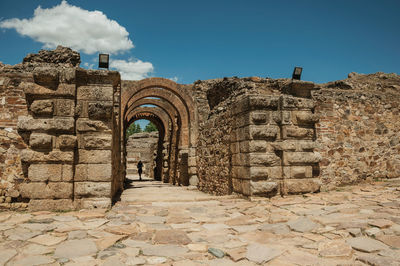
{"x": 158, "y": 224}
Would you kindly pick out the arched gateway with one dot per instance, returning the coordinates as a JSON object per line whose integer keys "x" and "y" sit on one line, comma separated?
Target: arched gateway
{"x": 172, "y": 100}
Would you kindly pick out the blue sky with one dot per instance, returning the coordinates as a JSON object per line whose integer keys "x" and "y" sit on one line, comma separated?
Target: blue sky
{"x": 191, "y": 40}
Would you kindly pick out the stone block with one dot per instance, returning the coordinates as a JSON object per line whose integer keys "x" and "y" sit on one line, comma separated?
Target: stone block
{"x": 255, "y": 102}
{"x": 192, "y": 161}
{"x": 54, "y": 156}
{"x": 263, "y": 188}
{"x": 45, "y": 172}
{"x": 66, "y": 142}
{"x": 40, "y": 141}
{"x": 63, "y": 90}
{"x": 259, "y": 117}
{"x": 297, "y": 171}
{"x": 254, "y": 146}
{"x": 257, "y": 132}
{"x": 92, "y": 189}
{"x": 51, "y": 205}
{"x": 100, "y": 110}
{"x": 300, "y": 88}
{"x": 289, "y": 103}
{"x": 294, "y": 132}
{"x": 47, "y": 77}
{"x": 299, "y": 186}
{"x": 96, "y": 141}
{"x": 94, "y": 156}
{"x": 294, "y": 145}
{"x": 67, "y": 173}
{"x": 28, "y": 123}
{"x": 304, "y": 118}
{"x": 241, "y": 186}
{"x": 93, "y": 172}
{"x": 65, "y": 107}
{"x": 42, "y": 107}
{"x": 67, "y": 75}
{"x": 269, "y": 132}
{"x": 42, "y": 190}
{"x": 263, "y": 159}
{"x": 86, "y": 125}
{"x": 95, "y": 203}
{"x": 95, "y": 93}
{"x": 264, "y": 173}
{"x": 301, "y": 158}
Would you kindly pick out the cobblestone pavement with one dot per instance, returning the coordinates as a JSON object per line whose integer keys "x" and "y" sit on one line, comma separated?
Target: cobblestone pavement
{"x": 156, "y": 223}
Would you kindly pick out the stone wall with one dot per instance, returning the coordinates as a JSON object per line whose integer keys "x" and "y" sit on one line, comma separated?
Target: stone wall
{"x": 258, "y": 139}
{"x": 359, "y": 128}
{"x": 142, "y": 146}
{"x": 58, "y": 140}
{"x": 12, "y": 105}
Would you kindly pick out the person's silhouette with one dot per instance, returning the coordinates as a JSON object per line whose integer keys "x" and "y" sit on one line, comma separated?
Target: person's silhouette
{"x": 140, "y": 169}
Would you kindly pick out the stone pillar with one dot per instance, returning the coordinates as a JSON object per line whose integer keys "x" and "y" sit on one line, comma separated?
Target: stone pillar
{"x": 300, "y": 162}
{"x": 256, "y": 168}
{"x": 49, "y": 130}
{"x": 94, "y": 181}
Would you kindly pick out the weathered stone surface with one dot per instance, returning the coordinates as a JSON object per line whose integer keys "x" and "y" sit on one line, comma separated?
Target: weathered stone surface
{"x": 75, "y": 248}
{"x": 61, "y": 55}
{"x": 366, "y": 244}
{"x": 45, "y": 172}
{"x": 94, "y": 156}
{"x": 97, "y": 141}
{"x": 294, "y": 132}
{"x": 93, "y": 172}
{"x": 51, "y": 190}
{"x": 66, "y": 142}
{"x": 42, "y": 107}
{"x": 296, "y": 158}
{"x": 47, "y": 240}
{"x": 100, "y": 110}
{"x": 40, "y": 141}
{"x": 85, "y": 125}
{"x": 95, "y": 93}
{"x": 27, "y": 123}
{"x": 297, "y": 171}
{"x": 377, "y": 260}
{"x": 51, "y": 204}
{"x": 53, "y": 156}
{"x": 65, "y": 107}
{"x": 164, "y": 250}
{"x": 302, "y": 225}
{"x": 6, "y": 255}
{"x": 391, "y": 240}
{"x": 92, "y": 189}
{"x": 261, "y": 253}
{"x": 335, "y": 248}
{"x": 263, "y": 187}
{"x": 297, "y": 186}
{"x": 171, "y": 237}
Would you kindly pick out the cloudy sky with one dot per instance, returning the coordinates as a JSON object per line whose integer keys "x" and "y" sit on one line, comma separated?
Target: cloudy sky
{"x": 189, "y": 40}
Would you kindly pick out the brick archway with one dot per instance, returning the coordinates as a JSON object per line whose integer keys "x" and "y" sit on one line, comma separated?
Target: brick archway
{"x": 178, "y": 104}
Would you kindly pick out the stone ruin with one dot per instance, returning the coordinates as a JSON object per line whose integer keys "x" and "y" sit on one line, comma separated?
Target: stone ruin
{"x": 63, "y": 144}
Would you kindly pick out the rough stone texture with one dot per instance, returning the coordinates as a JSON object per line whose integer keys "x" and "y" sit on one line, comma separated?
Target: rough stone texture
{"x": 359, "y": 128}
{"x": 61, "y": 55}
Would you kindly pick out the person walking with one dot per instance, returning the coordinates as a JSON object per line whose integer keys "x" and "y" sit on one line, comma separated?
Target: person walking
{"x": 140, "y": 169}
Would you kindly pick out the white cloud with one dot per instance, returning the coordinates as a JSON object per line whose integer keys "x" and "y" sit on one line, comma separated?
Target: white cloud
{"x": 68, "y": 25}
{"x": 174, "y": 79}
{"x": 88, "y": 66}
{"x": 132, "y": 69}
